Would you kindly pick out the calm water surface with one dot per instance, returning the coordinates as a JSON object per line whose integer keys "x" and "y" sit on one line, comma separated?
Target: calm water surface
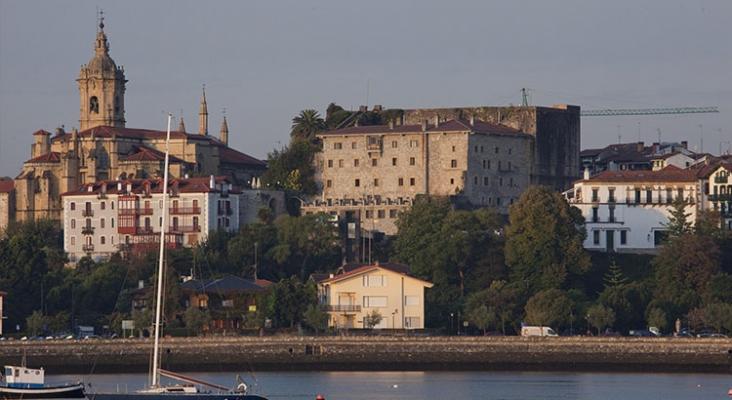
{"x": 456, "y": 385}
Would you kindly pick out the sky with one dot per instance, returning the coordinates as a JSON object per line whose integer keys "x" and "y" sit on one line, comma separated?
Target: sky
{"x": 262, "y": 62}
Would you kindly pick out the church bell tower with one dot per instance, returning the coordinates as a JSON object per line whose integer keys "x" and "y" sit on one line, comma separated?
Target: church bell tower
{"x": 101, "y": 88}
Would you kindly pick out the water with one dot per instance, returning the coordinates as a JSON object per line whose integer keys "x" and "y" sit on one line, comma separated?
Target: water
{"x": 458, "y": 385}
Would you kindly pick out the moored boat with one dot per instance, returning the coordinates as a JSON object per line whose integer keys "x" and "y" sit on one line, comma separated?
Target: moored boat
{"x": 29, "y": 383}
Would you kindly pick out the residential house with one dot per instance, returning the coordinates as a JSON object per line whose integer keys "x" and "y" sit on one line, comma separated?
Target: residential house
{"x": 718, "y": 192}
{"x": 105, "y": 217}
{"x": 356, "y": 292}
{"x": 627, "y": 211}
{"x": 637, "y": 157}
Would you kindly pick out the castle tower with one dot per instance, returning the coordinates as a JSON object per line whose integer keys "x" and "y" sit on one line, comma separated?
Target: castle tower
{"x": 203, "y": 116}
{"x": 101, "y": 88}
{"x": 224, "y": 133}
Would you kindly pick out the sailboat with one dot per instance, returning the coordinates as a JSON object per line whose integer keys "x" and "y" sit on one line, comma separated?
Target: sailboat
{"x": 192, "y": 389}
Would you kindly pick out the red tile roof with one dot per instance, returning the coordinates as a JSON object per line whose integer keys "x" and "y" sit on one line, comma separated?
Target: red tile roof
{"x": 6, "y": 186}
{"x": 41, "y": 132}
{"x": 52, "y": 157}
{"x": 668, "y": 174}
{"x": 364, "y": 269}
{"x": 185, "y": 185}
{"x": 144, "y": 153}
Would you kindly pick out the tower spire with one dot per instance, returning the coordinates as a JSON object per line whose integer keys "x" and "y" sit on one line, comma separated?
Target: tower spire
{"x": 203, "y": 115}
{"x": 224, "y": 133}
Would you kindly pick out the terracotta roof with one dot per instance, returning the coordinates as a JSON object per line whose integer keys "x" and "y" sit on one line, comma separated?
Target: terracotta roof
{"x": 52, "y": 157}
{"x": 185, "y": 185}
{"x": 226, "y": 154}
{"x": 41, "y": 132}
{"x": 396, "y": 267}
{"x": 455, "y": 125}
{"x": 668, "y": 174}
{"x": 365, "y": 269}
{"x": 144, "y": 153}
{"x": 6, "y": 186}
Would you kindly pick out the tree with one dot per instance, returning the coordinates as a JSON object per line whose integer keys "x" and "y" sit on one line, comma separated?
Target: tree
{"x": 481, "y": 317}
{"x": 297, "y": 156}
{"x": 544, "y": 241}
{"x": 599, "y": 316}
{"x": 290, "y": 298}
{"x": 678, "y": 220}
{"x": 549, "y": 307}
{"x": 195, "y": 319}
{"x": 657, "y": 317}
{"x": 306, "y": 125}
{"x": 305, "y": 244}
{"x": 35, "y": 323}
{"x": 372, "y": 319}
{"x": 316, "y": 316}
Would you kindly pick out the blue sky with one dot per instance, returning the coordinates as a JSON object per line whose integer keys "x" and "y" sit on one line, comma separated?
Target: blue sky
{"x": 265, "y": 61}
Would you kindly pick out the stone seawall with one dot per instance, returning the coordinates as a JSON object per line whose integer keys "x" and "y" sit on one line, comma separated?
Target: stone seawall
{"x": 285, "y": 353}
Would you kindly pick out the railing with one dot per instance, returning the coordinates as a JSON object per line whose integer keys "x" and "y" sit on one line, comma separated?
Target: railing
{"x": 87, "y": 230}
{"x": 143, "y": 230}
{"x": 88, "y": 248}
{"x": 185, "y": 228}
{"x": 720, "y": 179}
{"x": 611, "y": 199}
{"x": 185, "y": 210}
{"x": 87, "y": 213}
{"x": 595, "y": 199}
{"x": 130, "y": 211}
{"x": 720, "y": 197}
{"x": 344, "y": 308}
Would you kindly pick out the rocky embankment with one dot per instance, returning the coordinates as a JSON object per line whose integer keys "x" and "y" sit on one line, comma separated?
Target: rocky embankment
{"x": 287, "y": 353}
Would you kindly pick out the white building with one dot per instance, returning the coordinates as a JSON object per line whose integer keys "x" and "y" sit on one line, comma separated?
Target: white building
{"x": 717, "y": 194}
{"x": 627, "y": 211}
{"x": 105, "y": 217}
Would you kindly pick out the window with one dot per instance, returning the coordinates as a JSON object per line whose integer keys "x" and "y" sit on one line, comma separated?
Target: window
{"x": 510, "y": 183}
{"x": 73, "y": 206}
{"x": 595, "y": 214}
{"x": 649, "y": 196}
{"x": 102, "y": 240}
{"x": 413, "y": 143}
{"x": 475, "y": 180}
{"x": 374, "y": 280}
{"x": 401, "y": 181}
{"x": 329, "y": 183}
{"x": 374, "y": 162}
{"x": 485, "y": 181}
{"x": 393, "y": 161}
{"x": 330, "y": 163}
{"x": 637, "y": 196}
{"x": 453, "y": 163}
{"x": 337, "y": 145}
{"x": 411, "y": 322}
{"x": 611, "y": 195}
{"x": 392, "y": 214}
{"x": 357, "y": 183}
{"x": 411, "y": 300}
{"x": 611, "y": 217}
{"x": 376, "y": 182}
{"x": 369, "y": 214}
{"x": 499, "y": 165}
{"x": 453, "y": 149}
{"x": 623, "y": 237}
{"x": 500, "y": 181}
{"x": 73, "y": 240}
{"x": 340, "y": 163}
{"x": 111, "y": 222}
{"x": 73, "y": 223}
{"x": 509, "y": 165}
{"x": 355, "y": 162}
{"x": 496, "y": 150}
{"x": 596, "y": 237}
{"x": 509, "y": 151}
{"x": 394, "y": 144}
{"x": 374, "y": 301}
{"x": 668, "y": 195}
{"x": 411, "y": 181}
{"x": 353, "y": 145}
{"x": 680, "y": 193}
{"x": 111, "y": 239}
{"x": 452, "y": 181}
{"x": 111, "y": 205}
{"x": 101, "y": 223}
{"x": 227, "y": 303}
{"x": 476, "y": 148}
{"x": 381, "y": 214}
{"x": 412, "y": 161}
{"x": 481, "y": 149}
{"x": 102, "y": 205}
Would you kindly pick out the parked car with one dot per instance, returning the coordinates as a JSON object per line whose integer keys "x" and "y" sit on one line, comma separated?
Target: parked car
{"x": 683, "y": 334}
{"x": 650, "y": 332}
{"x": 718, "y": 336}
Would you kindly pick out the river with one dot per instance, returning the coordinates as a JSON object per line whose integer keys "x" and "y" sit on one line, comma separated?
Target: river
{"x": 454, "y": 385}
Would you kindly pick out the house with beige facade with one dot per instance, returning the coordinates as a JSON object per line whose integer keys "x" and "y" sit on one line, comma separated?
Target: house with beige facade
{"x": 628, "y": 211}
{"x": 105, "y": 217}
{"x": 717, "y": 193}
{"x": 351, "y": 296}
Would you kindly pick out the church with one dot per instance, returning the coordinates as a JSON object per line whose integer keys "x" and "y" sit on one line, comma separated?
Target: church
{"x": 103, "y": 148}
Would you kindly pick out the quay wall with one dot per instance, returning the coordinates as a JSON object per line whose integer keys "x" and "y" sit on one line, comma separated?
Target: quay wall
{"x": 328, "y": 353}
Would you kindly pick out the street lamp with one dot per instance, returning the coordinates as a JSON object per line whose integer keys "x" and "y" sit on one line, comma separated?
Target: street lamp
{"x": 451, "y": 320}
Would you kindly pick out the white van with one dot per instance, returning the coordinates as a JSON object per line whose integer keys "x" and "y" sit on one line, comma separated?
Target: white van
{"x": 537, "y": 331}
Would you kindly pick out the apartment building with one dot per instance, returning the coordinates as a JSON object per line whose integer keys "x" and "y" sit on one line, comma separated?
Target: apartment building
{"x": 627, "y": 211}
{"x": 105, "y": 217}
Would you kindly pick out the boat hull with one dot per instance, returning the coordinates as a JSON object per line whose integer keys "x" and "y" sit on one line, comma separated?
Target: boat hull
{"x": 58, "y": 392}
{"x": 173, "y": 396}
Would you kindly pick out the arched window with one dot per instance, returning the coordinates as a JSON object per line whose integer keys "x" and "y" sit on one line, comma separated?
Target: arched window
{"x": 94, "y": 105}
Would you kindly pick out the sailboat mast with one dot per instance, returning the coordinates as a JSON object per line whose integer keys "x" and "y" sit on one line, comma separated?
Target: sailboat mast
{"x": 159, "y": 301}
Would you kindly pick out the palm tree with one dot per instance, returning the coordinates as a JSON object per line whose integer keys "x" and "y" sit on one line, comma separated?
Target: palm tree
{"x": 306, "y": 125}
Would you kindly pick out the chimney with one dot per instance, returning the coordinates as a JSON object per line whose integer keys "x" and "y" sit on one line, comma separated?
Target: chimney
{"x": 140, "y": 284}
{"x": 640, "y": 146}
{"x": 424, "y": 125}
{"x": 685, "y": 144}
{"x": 656, "y": 147}
{"x": 437, "y": 120}
{"x": 212, "y": 183}
{"x": 587, "y": 174}
{"x": 119, "y": 186}
{"x": 472, "y": 120}
{"x": 401, "y": 119}
{"x": 391, "y": 124}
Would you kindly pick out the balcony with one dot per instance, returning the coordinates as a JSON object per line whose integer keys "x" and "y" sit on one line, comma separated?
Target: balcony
{"x": 87, "y": 213}
{"x": 144, "y": 230}
{"x": 721, "y": 179}
{"x": 344, "y": 308}
{"x": 185, "y": 210}
{"x": 88, "y": 248}
{"x": 185, "y": 228}
{"x": 87, "y": 230}
{"x": 720, "y": 197}
{"x": 135, "y": 211}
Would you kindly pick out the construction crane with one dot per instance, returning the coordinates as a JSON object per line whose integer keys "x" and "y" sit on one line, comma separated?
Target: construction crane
{"x": 649, "y": 111}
